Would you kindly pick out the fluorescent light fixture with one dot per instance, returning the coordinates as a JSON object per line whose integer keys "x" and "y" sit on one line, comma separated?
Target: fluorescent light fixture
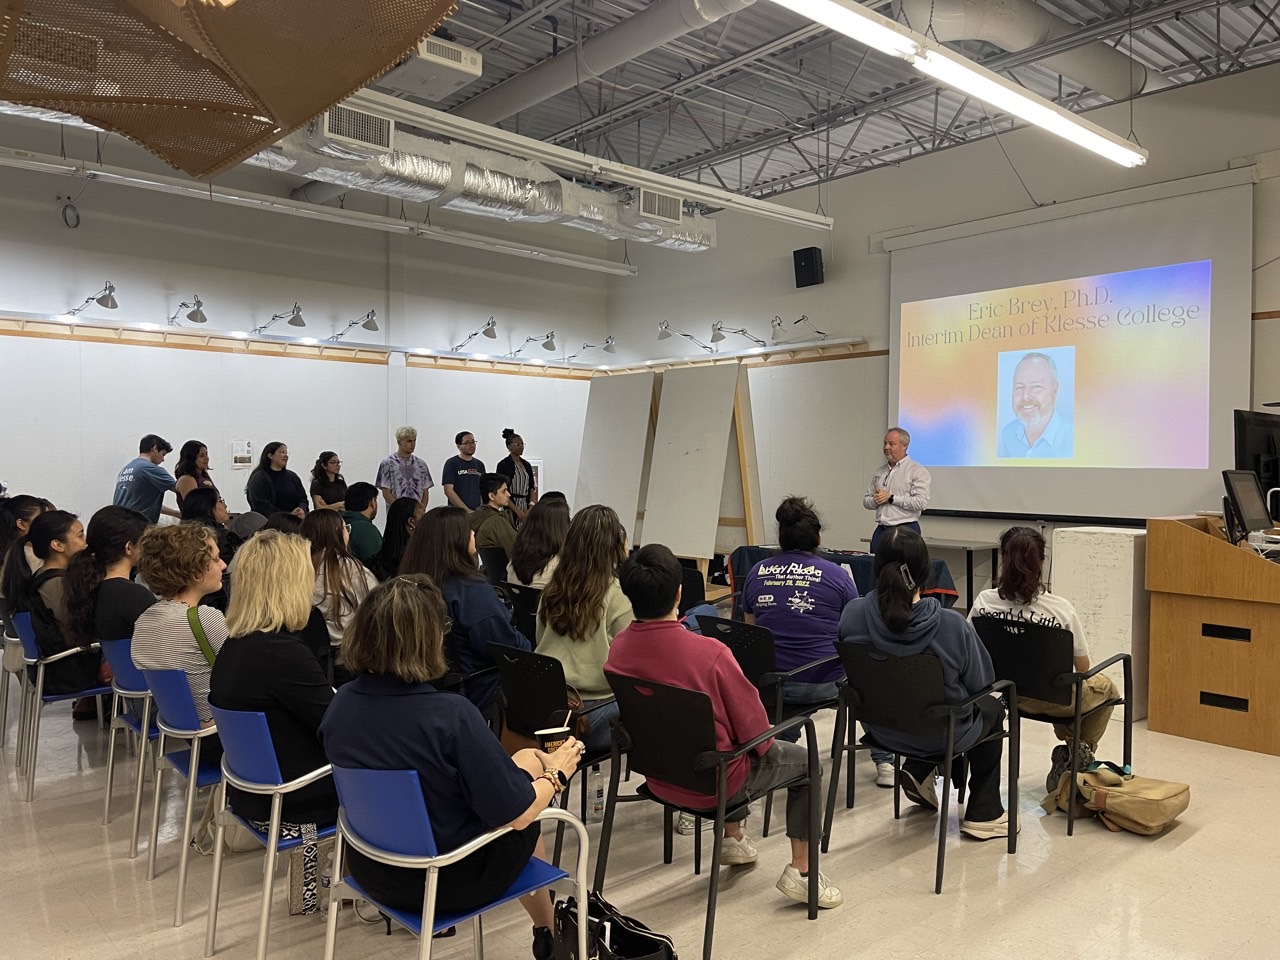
{"x": 991, "y": 88}
{"x": 931, "y": 58}
{"x": 856, "y": 21}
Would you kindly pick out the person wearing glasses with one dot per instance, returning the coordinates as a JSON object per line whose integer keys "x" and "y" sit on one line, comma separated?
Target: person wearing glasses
{"x": 328, "y": 489}
{"x": 462, "y": 474}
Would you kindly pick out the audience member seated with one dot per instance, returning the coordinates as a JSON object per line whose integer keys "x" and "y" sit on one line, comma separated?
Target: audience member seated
{"x": 583, "y": 609}
{"x": 182, "y": 566}
{"x": 16, "y": 514}
{"x": 339, "y": 580}
{"x": 362, "y": 507}
{"x": 273, "y": 486}
{"x": 538, "y": 542}
{"x": 328, "y": 489}
{"x": 552, "y": 495}
{"x": 799, "y": 597}
{"x": 894, "y": 619}
{"x": 444, "y": 548}
{"x": 282, "y": 522}
{"x": 492, "y": 521}
{"x": 658, "y": 648}
{"x": 402, "y": 518}
{"x": 206, "y": 506}
{"x": 265, "y": 667}
{"x": 102, "y": 602}
{"x": 55, "y": 537}
{"x": 1020, "y": 595}
{"x": 192, "y": 471}
{"x": 390, "y": 717}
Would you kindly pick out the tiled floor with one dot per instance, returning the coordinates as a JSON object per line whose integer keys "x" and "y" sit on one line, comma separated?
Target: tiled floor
{"x": 1206, "y": 889}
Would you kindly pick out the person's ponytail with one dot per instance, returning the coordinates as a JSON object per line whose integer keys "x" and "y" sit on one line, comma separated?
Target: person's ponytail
{"x": 16, "y": 582}
{"x": 902, "y": 564}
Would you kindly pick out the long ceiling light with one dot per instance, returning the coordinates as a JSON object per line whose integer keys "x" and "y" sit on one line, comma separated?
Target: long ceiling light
{"x": 45, "y": 163}
{"x": 931, "y": 58}
{"x": 571, "y": 161}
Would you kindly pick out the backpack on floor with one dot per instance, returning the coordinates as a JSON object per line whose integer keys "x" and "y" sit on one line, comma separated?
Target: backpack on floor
{"x": 1122, "y": 801}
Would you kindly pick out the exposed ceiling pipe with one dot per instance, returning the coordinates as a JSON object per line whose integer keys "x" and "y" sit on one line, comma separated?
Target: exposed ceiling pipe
{"x": 1014, "y": 25}
{"x": 653, "y": 26}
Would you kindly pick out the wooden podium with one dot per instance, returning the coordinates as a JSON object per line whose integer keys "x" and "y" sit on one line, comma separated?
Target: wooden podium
{"x": 1215, "y": 637}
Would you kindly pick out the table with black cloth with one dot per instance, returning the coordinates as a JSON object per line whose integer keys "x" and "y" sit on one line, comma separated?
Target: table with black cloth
{"x": 862, "y": 565}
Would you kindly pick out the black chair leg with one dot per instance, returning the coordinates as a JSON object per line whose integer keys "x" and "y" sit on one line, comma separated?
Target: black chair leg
{"x": 668, "y": 829}
{"x": 768, "y": 813}
{"x": 1073, "y": 769}
{"x": 713, "y": 891}
{"x": 697, "y": 846}
{"x": 897, "y": 786}
{"x": 834, "y": 785}
{"x": 1015, "y": 763}
{"x": 943, "y": 820}
{"x": 555, "y": 859}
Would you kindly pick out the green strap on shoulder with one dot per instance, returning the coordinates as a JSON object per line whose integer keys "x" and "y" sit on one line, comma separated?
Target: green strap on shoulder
{"x": 193, "y": 618}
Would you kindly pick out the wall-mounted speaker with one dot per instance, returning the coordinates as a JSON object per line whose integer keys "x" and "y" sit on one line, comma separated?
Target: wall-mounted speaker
{"x": 808, "y": 264}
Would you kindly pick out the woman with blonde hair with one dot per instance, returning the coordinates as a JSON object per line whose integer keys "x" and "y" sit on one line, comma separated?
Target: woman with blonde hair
{"x": 391, "y": 717}
{"x": 266, "y": 667}
{"x": 583, "y": 608}
{"x": 341, "y": 581}
{"x": 181, "y": 564}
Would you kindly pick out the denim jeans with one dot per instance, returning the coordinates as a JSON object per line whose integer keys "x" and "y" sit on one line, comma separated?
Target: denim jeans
{"x": 782, "y": 763}
{"x": 599, "y": 734}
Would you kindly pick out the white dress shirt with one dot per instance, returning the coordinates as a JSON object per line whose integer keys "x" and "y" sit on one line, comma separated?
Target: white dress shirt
{"x": 908, "y": 483}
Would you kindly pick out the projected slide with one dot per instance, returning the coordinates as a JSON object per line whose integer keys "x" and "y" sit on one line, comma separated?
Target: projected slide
{"x": 1103, "y": 371}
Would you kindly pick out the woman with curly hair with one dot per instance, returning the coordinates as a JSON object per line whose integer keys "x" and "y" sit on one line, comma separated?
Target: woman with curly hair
{"x": 583, "y": 608}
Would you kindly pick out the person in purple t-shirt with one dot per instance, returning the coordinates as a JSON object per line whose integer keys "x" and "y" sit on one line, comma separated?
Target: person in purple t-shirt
{"x": 799, "y": 596}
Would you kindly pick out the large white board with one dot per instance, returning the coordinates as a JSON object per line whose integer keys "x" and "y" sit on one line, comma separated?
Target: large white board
{"x": 686, "y": 475}
{"x": 613, "y": 440}
{"x": 819, "y": 428}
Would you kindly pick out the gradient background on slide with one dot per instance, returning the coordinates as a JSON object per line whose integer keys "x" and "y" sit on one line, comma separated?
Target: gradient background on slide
{"x": 1141, "y": 391}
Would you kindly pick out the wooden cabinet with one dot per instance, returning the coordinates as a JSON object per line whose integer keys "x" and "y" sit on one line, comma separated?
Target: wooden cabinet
{"x": 1215, "y": 637}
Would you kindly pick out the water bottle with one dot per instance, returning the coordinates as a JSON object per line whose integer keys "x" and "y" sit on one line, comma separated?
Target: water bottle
{"x": 595, "y": 795}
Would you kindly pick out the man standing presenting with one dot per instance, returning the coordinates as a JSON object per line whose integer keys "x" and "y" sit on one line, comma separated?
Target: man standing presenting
{"x": 462, "y": 474}
{"x": 1039, "y": 428}
{"x": 142, "y": 483}
{"x": 401, "y": 474}
{"x": 899, "y": 490}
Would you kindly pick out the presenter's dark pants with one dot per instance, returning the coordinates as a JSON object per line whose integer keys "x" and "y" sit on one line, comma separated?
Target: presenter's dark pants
{"x": 879, "y": 531}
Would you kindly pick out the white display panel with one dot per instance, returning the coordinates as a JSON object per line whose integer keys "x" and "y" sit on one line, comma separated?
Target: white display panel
{"x": 1085, "y": 366}
{"x": 614, "y": 436}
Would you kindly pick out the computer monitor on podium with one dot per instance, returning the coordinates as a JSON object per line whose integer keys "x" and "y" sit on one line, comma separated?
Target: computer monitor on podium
{"x": 1244, "y": 493}
{"x": 1258, "y": 445}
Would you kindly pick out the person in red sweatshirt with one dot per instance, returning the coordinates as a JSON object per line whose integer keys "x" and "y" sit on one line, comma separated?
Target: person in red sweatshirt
{"x": 657, "y": 648}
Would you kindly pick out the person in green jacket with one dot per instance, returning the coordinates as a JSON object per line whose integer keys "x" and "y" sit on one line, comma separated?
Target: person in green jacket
{"x": 492, "y": 523}
{"x": 362, "y": 507}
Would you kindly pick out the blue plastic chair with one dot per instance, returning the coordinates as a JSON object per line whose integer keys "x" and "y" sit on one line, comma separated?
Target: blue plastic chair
{"x": 128, "y": 686}
{"x": 34, "y": 697}
{"x": 249, "y": 764}
{"x": 384, "y": 816}
{"x": 178, "y": 720}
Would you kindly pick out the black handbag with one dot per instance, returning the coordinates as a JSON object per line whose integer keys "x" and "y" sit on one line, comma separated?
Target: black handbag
{"x": 610, "y": 935}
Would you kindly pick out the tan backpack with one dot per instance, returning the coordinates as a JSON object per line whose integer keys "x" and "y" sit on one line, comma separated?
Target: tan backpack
{"x": 1122, "y": 801}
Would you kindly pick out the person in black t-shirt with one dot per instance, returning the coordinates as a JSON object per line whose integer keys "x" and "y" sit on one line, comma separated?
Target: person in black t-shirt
{"x": 102, "y": 602}
{"x": 273, "y": 486}
{"x": 461, "y": 479}
{"x": 328, "y": 488}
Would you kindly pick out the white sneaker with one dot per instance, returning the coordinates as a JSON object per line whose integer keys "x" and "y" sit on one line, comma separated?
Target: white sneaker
{"x": 988, "y": 829}
{"x": 684, "y": 824}
{"x": 884, "y": 775}
{"x": 923, "y": 792}
{"x": 738, "y": 850}
{"x": 796, "y": 887}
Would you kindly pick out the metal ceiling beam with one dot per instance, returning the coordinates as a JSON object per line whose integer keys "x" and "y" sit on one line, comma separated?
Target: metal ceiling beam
{"x": 924, "y": 87}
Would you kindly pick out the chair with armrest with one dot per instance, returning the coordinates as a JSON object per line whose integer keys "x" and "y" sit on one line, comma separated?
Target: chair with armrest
{"x": 384, "y": 816}
{"x": 177, "y": 719}
{"x": 249, "y": 763}
{"x": 1040, "y": 661}
{"x": 128, "y": 687}
{"x": 7, "y": 637}
{"x": 693, "y": 589}
{"x": 34, "y": 698}
{"x": 907, "y": 695}
{"x": 754, "y": 650}
{"x": 494, "y": 562}
{"x": 669, "y": 734}
{"x": 524, "y": 608}
{"x": 536, "y": 697}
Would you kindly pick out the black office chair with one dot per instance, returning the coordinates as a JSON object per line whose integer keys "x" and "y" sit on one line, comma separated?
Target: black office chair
{"x": 669, "y": 734}
{"x": 1040, "y": 661}
{"x": 524, "y": 609}
{"x": 494, "y": 563}
{"x": 908, "y": 695}
{"x": 693, "y": 589}
{"x": 754, "y": 649}
{"x": 536, "y": 697}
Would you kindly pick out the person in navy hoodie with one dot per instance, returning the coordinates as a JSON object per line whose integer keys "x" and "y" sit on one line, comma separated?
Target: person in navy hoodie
{"x": 895, "y": 620}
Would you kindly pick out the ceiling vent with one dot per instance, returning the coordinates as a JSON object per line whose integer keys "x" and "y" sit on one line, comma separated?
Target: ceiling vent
{"x": 359, "y": 128}
{"x": 437, "y": 71}
{"x": 660, "y": 206}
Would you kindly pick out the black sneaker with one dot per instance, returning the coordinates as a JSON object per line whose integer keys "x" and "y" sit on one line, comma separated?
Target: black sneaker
{"x": 1061, "y": 763}
{"x": 544, "y": 943}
